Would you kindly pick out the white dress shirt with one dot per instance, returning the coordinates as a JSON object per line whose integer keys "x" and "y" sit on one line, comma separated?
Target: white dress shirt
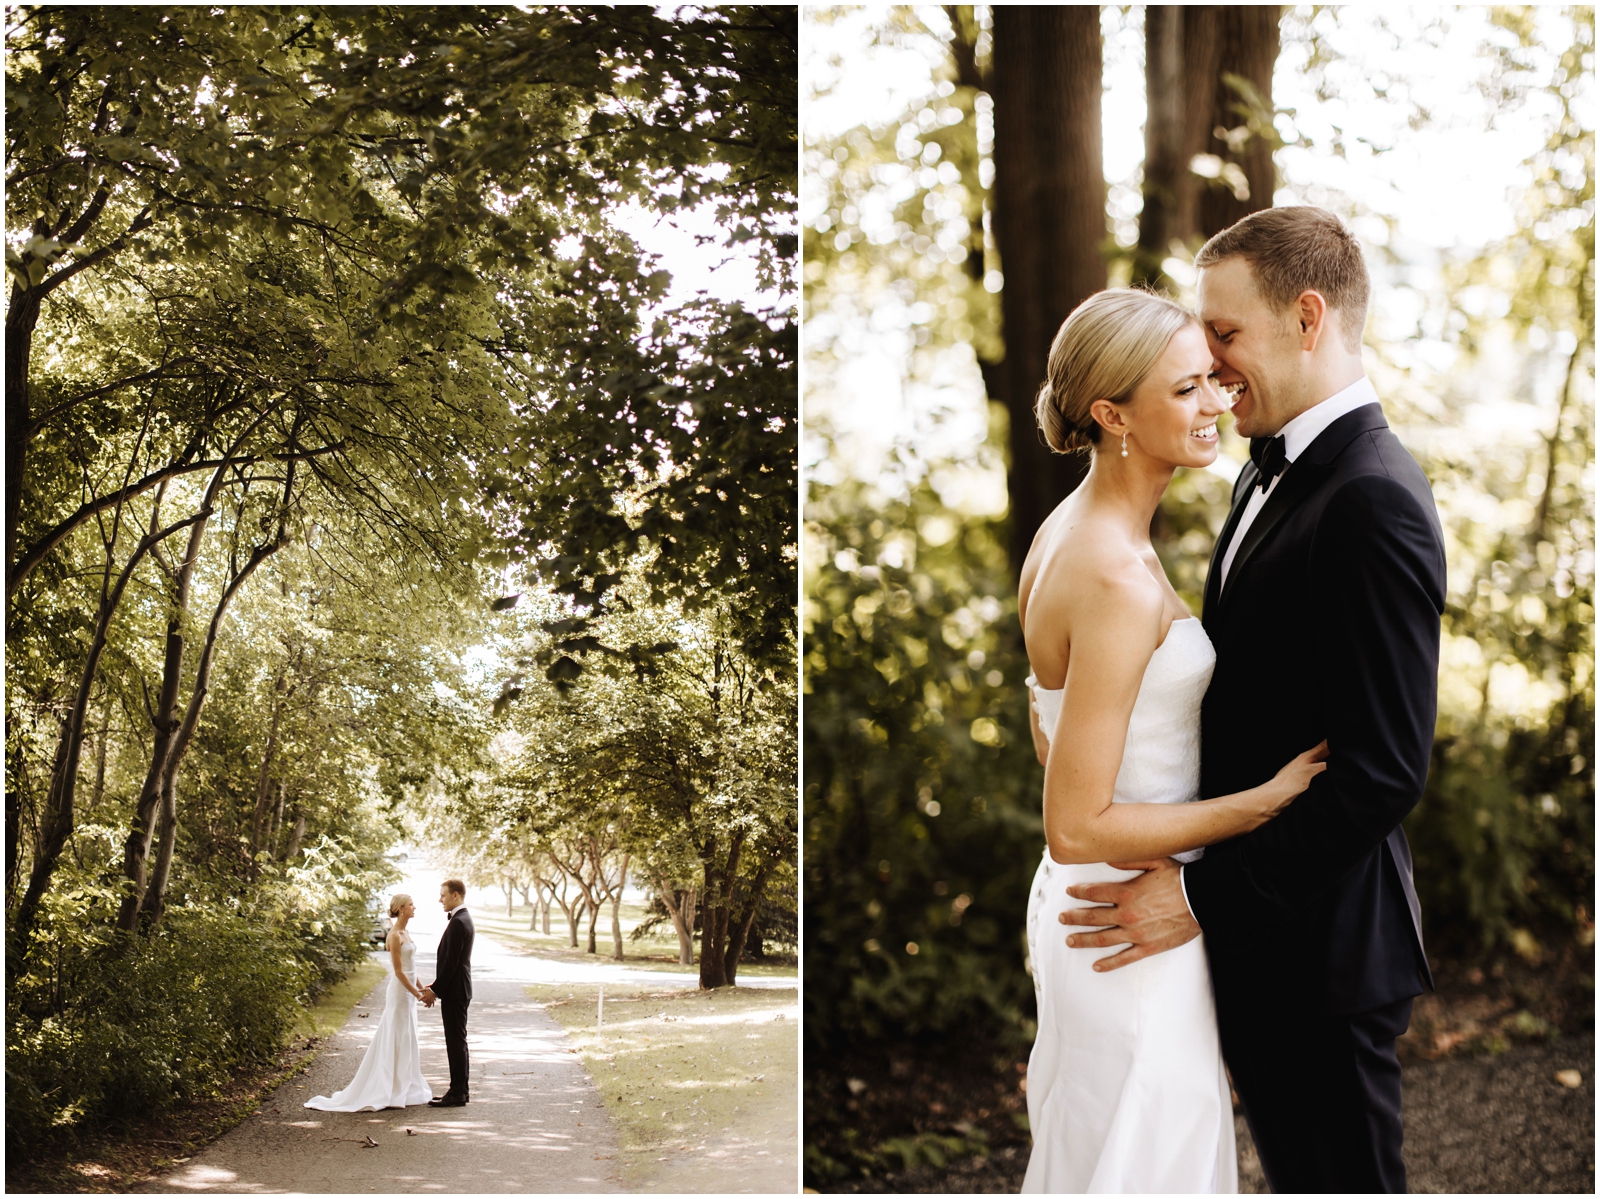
{"x": 1297, "y": 435}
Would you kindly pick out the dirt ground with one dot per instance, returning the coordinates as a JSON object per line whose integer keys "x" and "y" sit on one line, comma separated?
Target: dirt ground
{"x": 1474, "y": 1126}
{"x": 1484, "y": 1109}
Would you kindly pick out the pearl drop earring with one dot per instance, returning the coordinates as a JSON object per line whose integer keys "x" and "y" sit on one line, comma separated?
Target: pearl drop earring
{"x": 1124, "y": 445}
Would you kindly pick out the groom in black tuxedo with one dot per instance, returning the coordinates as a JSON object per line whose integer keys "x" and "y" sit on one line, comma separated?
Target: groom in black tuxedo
{"x": 1323, "y": 602}
{"x": 453, "y": 987}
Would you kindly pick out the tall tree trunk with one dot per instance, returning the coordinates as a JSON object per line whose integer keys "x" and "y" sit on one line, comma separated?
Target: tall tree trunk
{"x": 541, "y": 910}
{"x": 297, "y": 835}
{"x": 689, "y": 908}
{"x": 22, "y": 317}
{"x": 717, "y": 895}
{"x": 154, "y": 906}
{"x": 680, "y": 907}
{"x": 594, "y": 919}
{"x": 1167, "y": 181}
{"x": 1049, "y": 223}
{"x": 13, "y": 829}
{"x": 264, "y": 777}
{"x": 100, "y": 755}
{"x": 165, "y": 718}
{"x": 57, "y": 820}
{"x": 1191, "y": 51}
{"x": 616, "y": 903}
{"x": 154, "y": 902}
{"x": 1246, "y": 41}
{"x": 741, "y": 928}
{"x": 277, "y": 816}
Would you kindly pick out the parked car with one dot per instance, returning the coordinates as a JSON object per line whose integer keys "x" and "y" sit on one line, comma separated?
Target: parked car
{"x": 380, "y": 928}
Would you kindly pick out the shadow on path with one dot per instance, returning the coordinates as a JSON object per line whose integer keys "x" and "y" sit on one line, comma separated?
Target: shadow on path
{"x": 535, "y": 1123}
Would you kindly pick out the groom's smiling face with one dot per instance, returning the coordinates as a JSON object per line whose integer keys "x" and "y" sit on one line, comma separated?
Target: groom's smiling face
{"x": 1256, "y": 349}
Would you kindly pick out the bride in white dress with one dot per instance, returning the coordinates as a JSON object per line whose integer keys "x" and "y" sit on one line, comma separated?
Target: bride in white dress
{"x": 390, "y": 1075}
{"x": 1126, "y": 1087}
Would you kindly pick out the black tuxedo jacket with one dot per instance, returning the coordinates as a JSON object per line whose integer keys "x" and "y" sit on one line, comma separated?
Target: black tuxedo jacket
{"x": 1328, "y": 627}
{"x": 454, "y": 963}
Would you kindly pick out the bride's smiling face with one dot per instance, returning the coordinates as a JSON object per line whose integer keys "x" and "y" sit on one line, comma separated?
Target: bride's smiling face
{"x": 1172, "y": 414}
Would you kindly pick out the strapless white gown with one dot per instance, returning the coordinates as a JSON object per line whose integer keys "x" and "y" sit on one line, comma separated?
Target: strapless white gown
{"x": 1126, "y": 1088}
{"x": 390, "y": 1075}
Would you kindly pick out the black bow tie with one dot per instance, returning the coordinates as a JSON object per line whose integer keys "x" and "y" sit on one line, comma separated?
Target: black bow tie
{"x": 1270, "y": 457}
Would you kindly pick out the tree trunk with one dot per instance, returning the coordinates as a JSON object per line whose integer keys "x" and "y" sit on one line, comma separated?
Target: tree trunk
{"x": 154, "y": 906}
{"x": 166, "y": 720}
{"x": 680, "y": 907}
{"x": 1190, "y": 53}
{"x": 22, "y": 317}
{"x": 594, "y": 919}
{"x": 616, "y": 903}
{"x": 264, "y": 776}
{"x": 541, "y": 909}
{"x": 686, "y": 944}
{"x": 741, "y": 929}
{"x": 13, "y": 830}
{"x": 100, "y": 756}
{"x": 155, "y": 895}
{"x": 510, "y": 900}
{"x": 717, "y": 896}
{"x": 57, "y": 820}
{"x": 1049, "y": 224}
{"x": 1167, "y": 181}
{"x": 1246, "y": 41}
{"x": 296, "y": 836}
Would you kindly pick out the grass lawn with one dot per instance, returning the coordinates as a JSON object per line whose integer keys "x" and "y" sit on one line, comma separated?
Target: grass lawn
{"x": 328, "y": 1014}
{"x": 657, "y": 950}
{"x": 702, "y": 1086}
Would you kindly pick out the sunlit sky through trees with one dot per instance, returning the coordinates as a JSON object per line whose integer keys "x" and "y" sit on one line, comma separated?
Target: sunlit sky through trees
{"x": 1394, "y": 126}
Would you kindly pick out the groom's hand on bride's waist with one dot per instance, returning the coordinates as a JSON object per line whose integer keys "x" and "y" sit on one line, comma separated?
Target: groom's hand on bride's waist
{"x": 1148, "y": 913}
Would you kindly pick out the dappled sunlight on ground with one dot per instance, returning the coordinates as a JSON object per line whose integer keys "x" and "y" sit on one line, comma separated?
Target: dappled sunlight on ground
{"x": 702, "y": 1086}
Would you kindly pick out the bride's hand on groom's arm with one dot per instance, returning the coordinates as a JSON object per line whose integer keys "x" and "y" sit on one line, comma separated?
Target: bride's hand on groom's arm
{"x": 1148, "y": 914}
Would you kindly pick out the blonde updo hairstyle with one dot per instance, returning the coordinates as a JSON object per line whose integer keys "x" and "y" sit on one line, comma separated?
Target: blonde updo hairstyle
{"x": 395, "y": 904}
{"x": 1102, "y": 352}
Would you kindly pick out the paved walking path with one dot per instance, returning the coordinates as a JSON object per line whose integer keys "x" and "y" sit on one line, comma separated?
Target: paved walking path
{"x": 535, "y": 1123}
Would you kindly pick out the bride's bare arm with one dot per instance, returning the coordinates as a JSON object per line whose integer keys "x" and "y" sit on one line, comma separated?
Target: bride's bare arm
{"x": 1117, "y": 626}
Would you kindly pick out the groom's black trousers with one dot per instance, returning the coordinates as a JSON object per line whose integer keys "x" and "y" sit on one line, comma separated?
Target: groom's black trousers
{"x": 453, "y": 1013}
{"x": 1321, "y": 1094}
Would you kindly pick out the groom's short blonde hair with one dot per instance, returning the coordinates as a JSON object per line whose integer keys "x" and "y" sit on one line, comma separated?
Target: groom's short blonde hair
{"x": 1295, "y": 250}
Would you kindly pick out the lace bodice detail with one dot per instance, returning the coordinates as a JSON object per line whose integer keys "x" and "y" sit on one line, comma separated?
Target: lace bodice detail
{"x": 1161, "y": 760}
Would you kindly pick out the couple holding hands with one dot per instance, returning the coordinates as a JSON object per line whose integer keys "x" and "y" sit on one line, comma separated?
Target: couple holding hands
{"x": 390, "y": 1075}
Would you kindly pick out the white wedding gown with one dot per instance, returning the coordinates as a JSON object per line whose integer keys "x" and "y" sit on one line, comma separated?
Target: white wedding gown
{"x": 391, "y": 1073}
{"x": 1126, "y": 1089}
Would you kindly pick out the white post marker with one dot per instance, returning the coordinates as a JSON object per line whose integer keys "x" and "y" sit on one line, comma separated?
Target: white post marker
{"x": 601, "y": 1022}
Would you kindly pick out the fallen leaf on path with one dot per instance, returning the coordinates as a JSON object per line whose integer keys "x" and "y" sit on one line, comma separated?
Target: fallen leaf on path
{"x": 411, "y": 1132}
{"x": 368, "y": 1143}
{"x": 1569, "y": 1078}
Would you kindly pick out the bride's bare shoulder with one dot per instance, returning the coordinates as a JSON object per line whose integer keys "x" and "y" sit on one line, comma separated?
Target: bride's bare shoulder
{"x": 1085, "y": 573}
